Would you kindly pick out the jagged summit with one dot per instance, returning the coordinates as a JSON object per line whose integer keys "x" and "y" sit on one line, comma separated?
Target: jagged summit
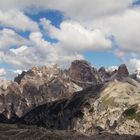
{"x": 45, "y": 84}
{"x": 123, "y": 71}
{"x": 106, "y": 75}
{"x": 81, "y": 71}
{"x": 80, "y": 98}
{"x": 112, "y": 107}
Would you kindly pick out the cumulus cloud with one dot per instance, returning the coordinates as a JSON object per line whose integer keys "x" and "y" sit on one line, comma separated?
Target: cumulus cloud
{"x": 51, "y": 53}
{"x": 17, "y": 71}
{"x": 119, "y": 53}
{"x": 75, "y": 37}
{"x": 9, "y": 38}
{"x": 39, "y": 52}
{"x": 112, "y": 68}
{"x": 19, "y": 50}
{"x": 2, "y": 72}
{"x": 124, "y": 27}
{"x": 17, "y": 20}
{"x": 79, "y": 9}
{"x": 41, "y": 45}
{"x": 87, "y": 26}
{"x": 134, "y": 63}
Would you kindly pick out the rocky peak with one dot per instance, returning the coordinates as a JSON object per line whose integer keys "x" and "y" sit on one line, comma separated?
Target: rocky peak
{"x": 105, "y": 107}
{"x": 103, "y": 74}
{"x": 106, "y": 74}
{"x": 35, "y": 87}
{"x": 123, "y": 71}
{"x": 81, "y": 70}
{"x": 102, "y": 70}
{"x": 95, "y": 108}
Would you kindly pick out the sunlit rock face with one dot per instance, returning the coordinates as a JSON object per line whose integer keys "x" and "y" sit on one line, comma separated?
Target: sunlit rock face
{"x": 81, "y": 71}
{"x": 40, "y": 85}
{"x": 113, "y": 107}
{"x": 79, "y": 98}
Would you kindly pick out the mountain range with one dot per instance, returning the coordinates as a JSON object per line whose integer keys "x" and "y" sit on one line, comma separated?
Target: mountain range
{"x": 81, "y": 98}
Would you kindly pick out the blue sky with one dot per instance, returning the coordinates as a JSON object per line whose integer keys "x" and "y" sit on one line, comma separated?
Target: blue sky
{"x": 105, "y": 59}
{"x": 36, "y": 33}
{"x": 56, "y": 17}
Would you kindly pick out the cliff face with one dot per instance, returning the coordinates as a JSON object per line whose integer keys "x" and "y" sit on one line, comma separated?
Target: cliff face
{"x": 113, "y": 107}
{"x": 107, "y": 75}
{"x": 62, "y": 114}
{"x": 79, "y": 98}
{"x": 40, "y": 85}
{"x": 83, "y": 74}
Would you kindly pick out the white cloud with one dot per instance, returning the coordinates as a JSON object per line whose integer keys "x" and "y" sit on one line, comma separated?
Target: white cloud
{"x": 75, "y": 37}
{"x": 87, "y": 10}
{"x": 17, "y": 71}
{"x": 2, "y": 72}
{"x": 9, "y": 38}
{"x": 17, "y": 20}
{"x": 51, "y": 53}
{"x": 19, "y": 50}
{"x": 79, "y": 9}
{"x": 119, "y": 53}
{"x": 39, "y": 52}
{"x": 125, "y": 28}
{"x": 88, "y": 28}
{"x": 112, "y": 68}
{"x": 134, "y": 63}
{"x": 41, "y": 45}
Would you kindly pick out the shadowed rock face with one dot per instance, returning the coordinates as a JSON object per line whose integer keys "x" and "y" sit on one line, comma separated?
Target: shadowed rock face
{"x": 123, "y": 71}
{"x": 61, "y": 114}
{"x": 119, "y": 74}
{"x": 3, "y": 118}
{"x": 35, "y": 87}
{"x": 105, "y": 76}
{"x": 38, "y": 86}
{"x": 50, "y": 97}
{"x": 81, "y": 71}
{"x": 20, "y": 77}
{"x": 98, "y": 108}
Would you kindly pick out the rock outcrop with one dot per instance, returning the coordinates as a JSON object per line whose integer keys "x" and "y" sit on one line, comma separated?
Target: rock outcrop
{"x": 79, "y": 98}
{"x": 113, "y": 107}
{"x": 123, "y": 71}
{"x": 106, "y": 75}
{"x": 40, "y": 85}
{"x": 83, "y": 74}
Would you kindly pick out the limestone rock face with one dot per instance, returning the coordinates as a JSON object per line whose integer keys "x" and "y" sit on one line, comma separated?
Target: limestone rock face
{"x": 113, "y": 107}
{"x": 40, "y": 85}
{"x": 105, "y": 76}
{"x": 123, "y": 71}
{"x": 79, "y": 98}
{"x": 82, "y": 72}
{"x": 120, "y": 74}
